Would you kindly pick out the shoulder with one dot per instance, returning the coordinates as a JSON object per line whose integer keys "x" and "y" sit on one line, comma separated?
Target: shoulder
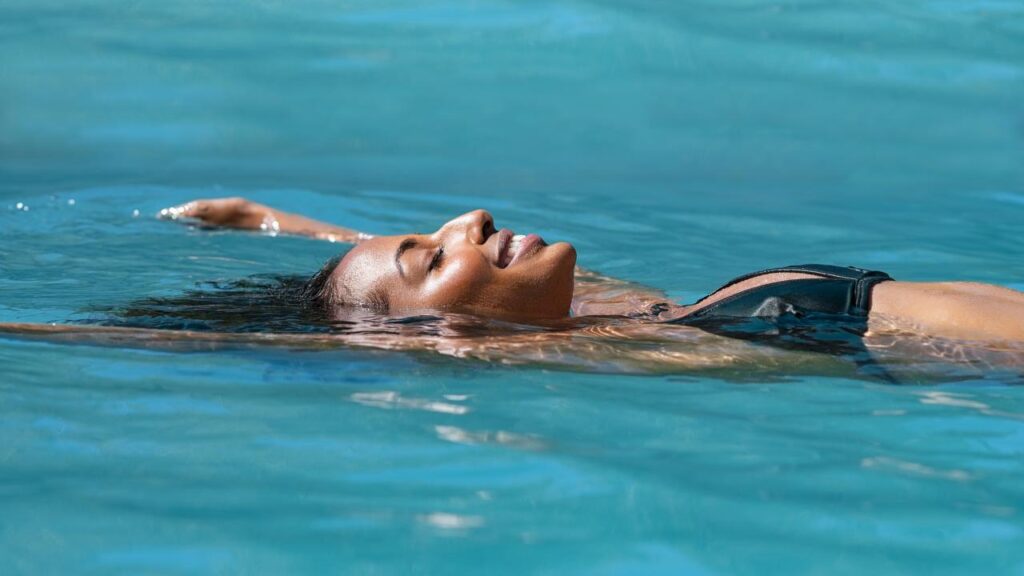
{"x": 960, "y": 310}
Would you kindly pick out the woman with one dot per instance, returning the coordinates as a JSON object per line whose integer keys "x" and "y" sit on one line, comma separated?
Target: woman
{"x": 470, "y": 269}
{"x": 469, "y": 266}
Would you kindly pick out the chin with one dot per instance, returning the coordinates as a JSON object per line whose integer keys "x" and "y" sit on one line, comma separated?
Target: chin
{"x": 563, "y": 251}
{"x": 563, "y": 278}
{"x": 545, "y": 293}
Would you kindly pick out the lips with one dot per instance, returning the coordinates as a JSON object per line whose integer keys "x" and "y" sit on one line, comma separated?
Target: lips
{"x": 503, "y": 255}
{"x": 513, "y": 248}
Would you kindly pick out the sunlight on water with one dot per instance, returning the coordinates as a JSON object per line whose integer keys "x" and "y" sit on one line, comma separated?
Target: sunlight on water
{"x": 677, "y": 145}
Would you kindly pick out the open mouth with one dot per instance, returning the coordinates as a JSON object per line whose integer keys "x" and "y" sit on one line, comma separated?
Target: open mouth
{"x": 515, "y": 247}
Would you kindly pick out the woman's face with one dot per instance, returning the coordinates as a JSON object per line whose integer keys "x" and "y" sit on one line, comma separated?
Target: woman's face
{"x": 466, "y": 266}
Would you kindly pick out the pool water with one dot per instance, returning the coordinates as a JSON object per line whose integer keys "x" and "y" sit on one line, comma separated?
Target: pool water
{"x": 675, "y": 144}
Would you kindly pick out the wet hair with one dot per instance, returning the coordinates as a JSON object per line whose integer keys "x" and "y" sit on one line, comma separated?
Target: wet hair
{"x": 319, "y": 290}
{"x": 259, "y": 303}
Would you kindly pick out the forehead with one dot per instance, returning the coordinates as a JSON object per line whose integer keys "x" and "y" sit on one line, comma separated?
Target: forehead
{"x": 369, "y": 265}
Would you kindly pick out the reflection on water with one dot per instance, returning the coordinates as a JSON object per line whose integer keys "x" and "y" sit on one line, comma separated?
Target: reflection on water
{"x": 460, "y": 436}
{"x": 272, "y": 309}
{"x": 676, "y": 144}
{"x": 615, "y": 345}
{"x": 447, "y": 521}
{"x": 903, "y": 467}
{"x": 392, "y": 400}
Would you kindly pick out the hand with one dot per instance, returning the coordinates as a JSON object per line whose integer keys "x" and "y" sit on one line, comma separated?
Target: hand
{"x": 225, "y": 212}
{"x": 246, "y": 215}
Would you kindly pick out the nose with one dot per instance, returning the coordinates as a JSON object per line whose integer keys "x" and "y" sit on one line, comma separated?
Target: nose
{"x": 474, "y": 226}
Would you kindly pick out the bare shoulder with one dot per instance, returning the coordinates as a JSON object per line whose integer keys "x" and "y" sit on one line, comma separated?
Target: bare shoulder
{"x": 894, "y": 297}
{"x": 964, "y": 310}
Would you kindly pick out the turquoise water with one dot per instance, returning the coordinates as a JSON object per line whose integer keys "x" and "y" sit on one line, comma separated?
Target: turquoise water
{"x": 675, "y": 144}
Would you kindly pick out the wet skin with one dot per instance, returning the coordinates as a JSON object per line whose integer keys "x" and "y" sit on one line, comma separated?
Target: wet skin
{"x": 466, "y": 266}
{"x": 476, "y": 275}
{"x": 471, "y": 277}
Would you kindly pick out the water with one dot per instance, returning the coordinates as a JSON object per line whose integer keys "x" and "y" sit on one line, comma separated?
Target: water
{"x": 675, "y": 145}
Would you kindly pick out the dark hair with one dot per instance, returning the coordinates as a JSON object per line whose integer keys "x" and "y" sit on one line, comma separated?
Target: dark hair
{"x": 319, "y": 291}
{"x": 322, "y": 293}
{"x": 260, "y": 303}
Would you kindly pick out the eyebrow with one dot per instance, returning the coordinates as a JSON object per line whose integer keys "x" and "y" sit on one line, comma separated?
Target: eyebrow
{"x": 406, "y": 244}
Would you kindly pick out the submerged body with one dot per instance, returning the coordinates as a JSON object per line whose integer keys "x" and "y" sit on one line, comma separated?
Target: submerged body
{"x": 464, "y": 267}
{"x": 475, "y": 291}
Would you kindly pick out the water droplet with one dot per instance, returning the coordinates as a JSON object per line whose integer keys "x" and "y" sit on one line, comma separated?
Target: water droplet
{"x": 271, "y": 226}
{"x": 135, "y": 213}
{"x": 71, "y": 201}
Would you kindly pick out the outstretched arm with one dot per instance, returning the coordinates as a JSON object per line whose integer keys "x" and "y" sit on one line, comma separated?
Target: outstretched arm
{"x": 247, "y": 215}
{"x": 596, "y": 294}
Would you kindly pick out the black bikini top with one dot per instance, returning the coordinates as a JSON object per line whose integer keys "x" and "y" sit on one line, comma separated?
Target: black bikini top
{"x": 840, "y": 290}
{"x": 828, "y": 313}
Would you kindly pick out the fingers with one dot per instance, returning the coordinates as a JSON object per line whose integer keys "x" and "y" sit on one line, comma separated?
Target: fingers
{"x": 222, "y": 212}
{"x": 215, "y": 211}
{"x": 187, "y": 210}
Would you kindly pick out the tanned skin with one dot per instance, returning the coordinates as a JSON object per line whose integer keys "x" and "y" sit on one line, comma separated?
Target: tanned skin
{"x": 955, "y": 310}
{"x": 463, "y": 268}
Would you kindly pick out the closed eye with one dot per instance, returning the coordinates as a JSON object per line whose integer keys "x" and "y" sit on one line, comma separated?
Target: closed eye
{"x": 435, "y": 262}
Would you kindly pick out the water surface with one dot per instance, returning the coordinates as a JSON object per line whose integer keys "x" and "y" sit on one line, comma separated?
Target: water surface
{"x": 675, "y": 144}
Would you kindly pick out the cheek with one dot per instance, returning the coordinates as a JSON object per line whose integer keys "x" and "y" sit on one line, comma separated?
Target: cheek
{"x": 461, "y": 281}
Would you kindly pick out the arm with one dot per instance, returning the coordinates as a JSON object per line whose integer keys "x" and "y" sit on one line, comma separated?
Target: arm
{"x": 595, "y": 293}
{"x": 954, "y": 310}
{"x": 247, "y": 215}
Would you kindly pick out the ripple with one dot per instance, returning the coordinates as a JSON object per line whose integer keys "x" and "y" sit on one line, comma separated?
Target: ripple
{"x": 392, "y": 400}
{"x": 914, "y": 468}
{"x": 449, "y": 521}
{"x": 461, "y": 436}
